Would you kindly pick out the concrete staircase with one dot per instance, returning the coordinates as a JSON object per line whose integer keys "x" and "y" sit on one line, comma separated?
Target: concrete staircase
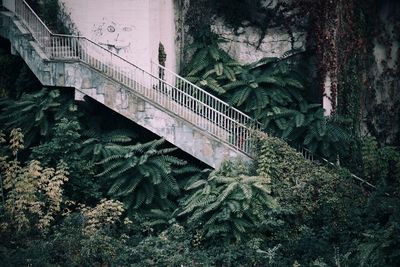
{"x": 161, "y": 101}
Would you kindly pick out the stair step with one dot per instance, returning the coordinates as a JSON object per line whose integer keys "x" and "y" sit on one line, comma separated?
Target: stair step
{"x": 175, "y": 109}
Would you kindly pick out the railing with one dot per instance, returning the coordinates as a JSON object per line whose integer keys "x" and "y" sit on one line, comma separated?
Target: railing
{"x": 39, "y": 30}
{"x": 312, "y": 157}
{"x": 202, "y": 95}
{"x": 168, "y": 90}
{"x": 163, "y": 87}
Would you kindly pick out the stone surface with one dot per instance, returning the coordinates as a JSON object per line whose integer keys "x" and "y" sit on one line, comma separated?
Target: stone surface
{"x": 245, "y": 45}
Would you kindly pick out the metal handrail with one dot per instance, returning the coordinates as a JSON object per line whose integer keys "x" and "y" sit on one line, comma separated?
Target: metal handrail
{"x": 235, "y": 128}
{"x": 19, "y": 4}
{"x": 169, "y": 90}
{"x": 182, "y": 79}
{"x": 312, "y": 157}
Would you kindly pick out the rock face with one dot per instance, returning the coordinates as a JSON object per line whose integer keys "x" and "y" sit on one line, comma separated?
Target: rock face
{"x": 245, "y": 45}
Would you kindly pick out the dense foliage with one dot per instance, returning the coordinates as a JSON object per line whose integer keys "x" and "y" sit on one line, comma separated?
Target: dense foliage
{"x": 77, "y": 192}
{"x": 34, "y": 113}
{"x": 285, "y": 210}
{"x": 272, "y": 90}
{"x": 229, "y": 203}
{"x": 141, "y": 173}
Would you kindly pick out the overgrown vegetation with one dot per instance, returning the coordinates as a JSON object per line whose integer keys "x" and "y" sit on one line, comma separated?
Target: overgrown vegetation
{"x": 141, "y": 173}
{"x": 285, "y": 210}
{"x": 58, "y": 207}
{"x": 54, "y": 14}
{"x": 272, "y": 91}
{"x": 230, "y": 203}
{"x": 77, "y": 192}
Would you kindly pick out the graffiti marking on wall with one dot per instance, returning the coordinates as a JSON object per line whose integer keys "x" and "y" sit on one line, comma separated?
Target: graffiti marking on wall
{"x": 115, "y": 36}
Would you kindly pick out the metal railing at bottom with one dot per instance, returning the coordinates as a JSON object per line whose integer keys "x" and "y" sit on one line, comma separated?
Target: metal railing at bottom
{"x": 311, "y": 156}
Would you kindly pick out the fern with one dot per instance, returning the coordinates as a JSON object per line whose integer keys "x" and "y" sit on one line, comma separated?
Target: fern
{"x": 142, "y": 173}
{"x": 210, "y": 66}
{"x": 260, "y": 87}
{"x": 224, "y": 204}
{"x": 35, "y": 113}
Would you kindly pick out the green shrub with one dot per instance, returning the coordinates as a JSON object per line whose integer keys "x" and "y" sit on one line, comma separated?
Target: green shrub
{"x": 65, "y": 144}
{"x": 141, "y": 174}
{"x": 323, "y": 207}
{"x": 230, "y": 204}
{"x": 35, "y": 113}
{"x": 378, "y": 245}
{"x": 272, "y": 91}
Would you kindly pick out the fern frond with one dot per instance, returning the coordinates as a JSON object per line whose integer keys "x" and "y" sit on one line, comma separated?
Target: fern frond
{"x": 132, "y": 185}
{"x": 140, "y": 197}
{"x": 246, "y": 191}
{"x": 172, "y": 184}
{"x": 195, "y": 184}
{"x": 214, "y": 52}
{"x": 274, "y": 80}
{"x": 116, "y": 186}
{"x": 262, "y": 62}
{"x": 230, "y": 74}
{"x": 214, "y": 85}
{"x": 174, "y": 160}
{"x": 216, "y": 230}
{"x": 198, "y": 68}
{"x": 149, "y": 192}
{"x": 241, "y": 225}
{"x": 239, "y": 97}
{"x": 234, "y": 206}
{"x": 234, "y": 84}
{"x": 109, "y": 169}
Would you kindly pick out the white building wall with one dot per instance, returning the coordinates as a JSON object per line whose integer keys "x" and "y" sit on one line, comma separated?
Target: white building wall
{"x": 168, "y": 32}
{"x": 131, "y": 28}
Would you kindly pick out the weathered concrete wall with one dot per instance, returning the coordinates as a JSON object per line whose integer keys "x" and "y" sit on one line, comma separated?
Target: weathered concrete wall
{"x": 134, "y": 28}
{"x": 88, "y": 81}
{"x": 245, "y": 45}
{"x": 131, "y": 28}
{"x": 242, "y": 44}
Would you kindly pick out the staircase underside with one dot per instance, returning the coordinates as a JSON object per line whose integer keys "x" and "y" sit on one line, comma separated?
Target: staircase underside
{"x": 152, "y": 115}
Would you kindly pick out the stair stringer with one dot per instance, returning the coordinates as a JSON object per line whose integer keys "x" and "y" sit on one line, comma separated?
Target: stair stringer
{"x": 88, "y": 81}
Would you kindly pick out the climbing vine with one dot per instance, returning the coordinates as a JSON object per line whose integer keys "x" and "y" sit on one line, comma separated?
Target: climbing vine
{"x": 382, "y": 99}
{"x": 355, "y": 44}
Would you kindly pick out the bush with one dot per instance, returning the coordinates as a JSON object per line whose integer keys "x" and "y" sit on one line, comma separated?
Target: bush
{"x": 322, "y": 207}
{"x": 229, "y": 205}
